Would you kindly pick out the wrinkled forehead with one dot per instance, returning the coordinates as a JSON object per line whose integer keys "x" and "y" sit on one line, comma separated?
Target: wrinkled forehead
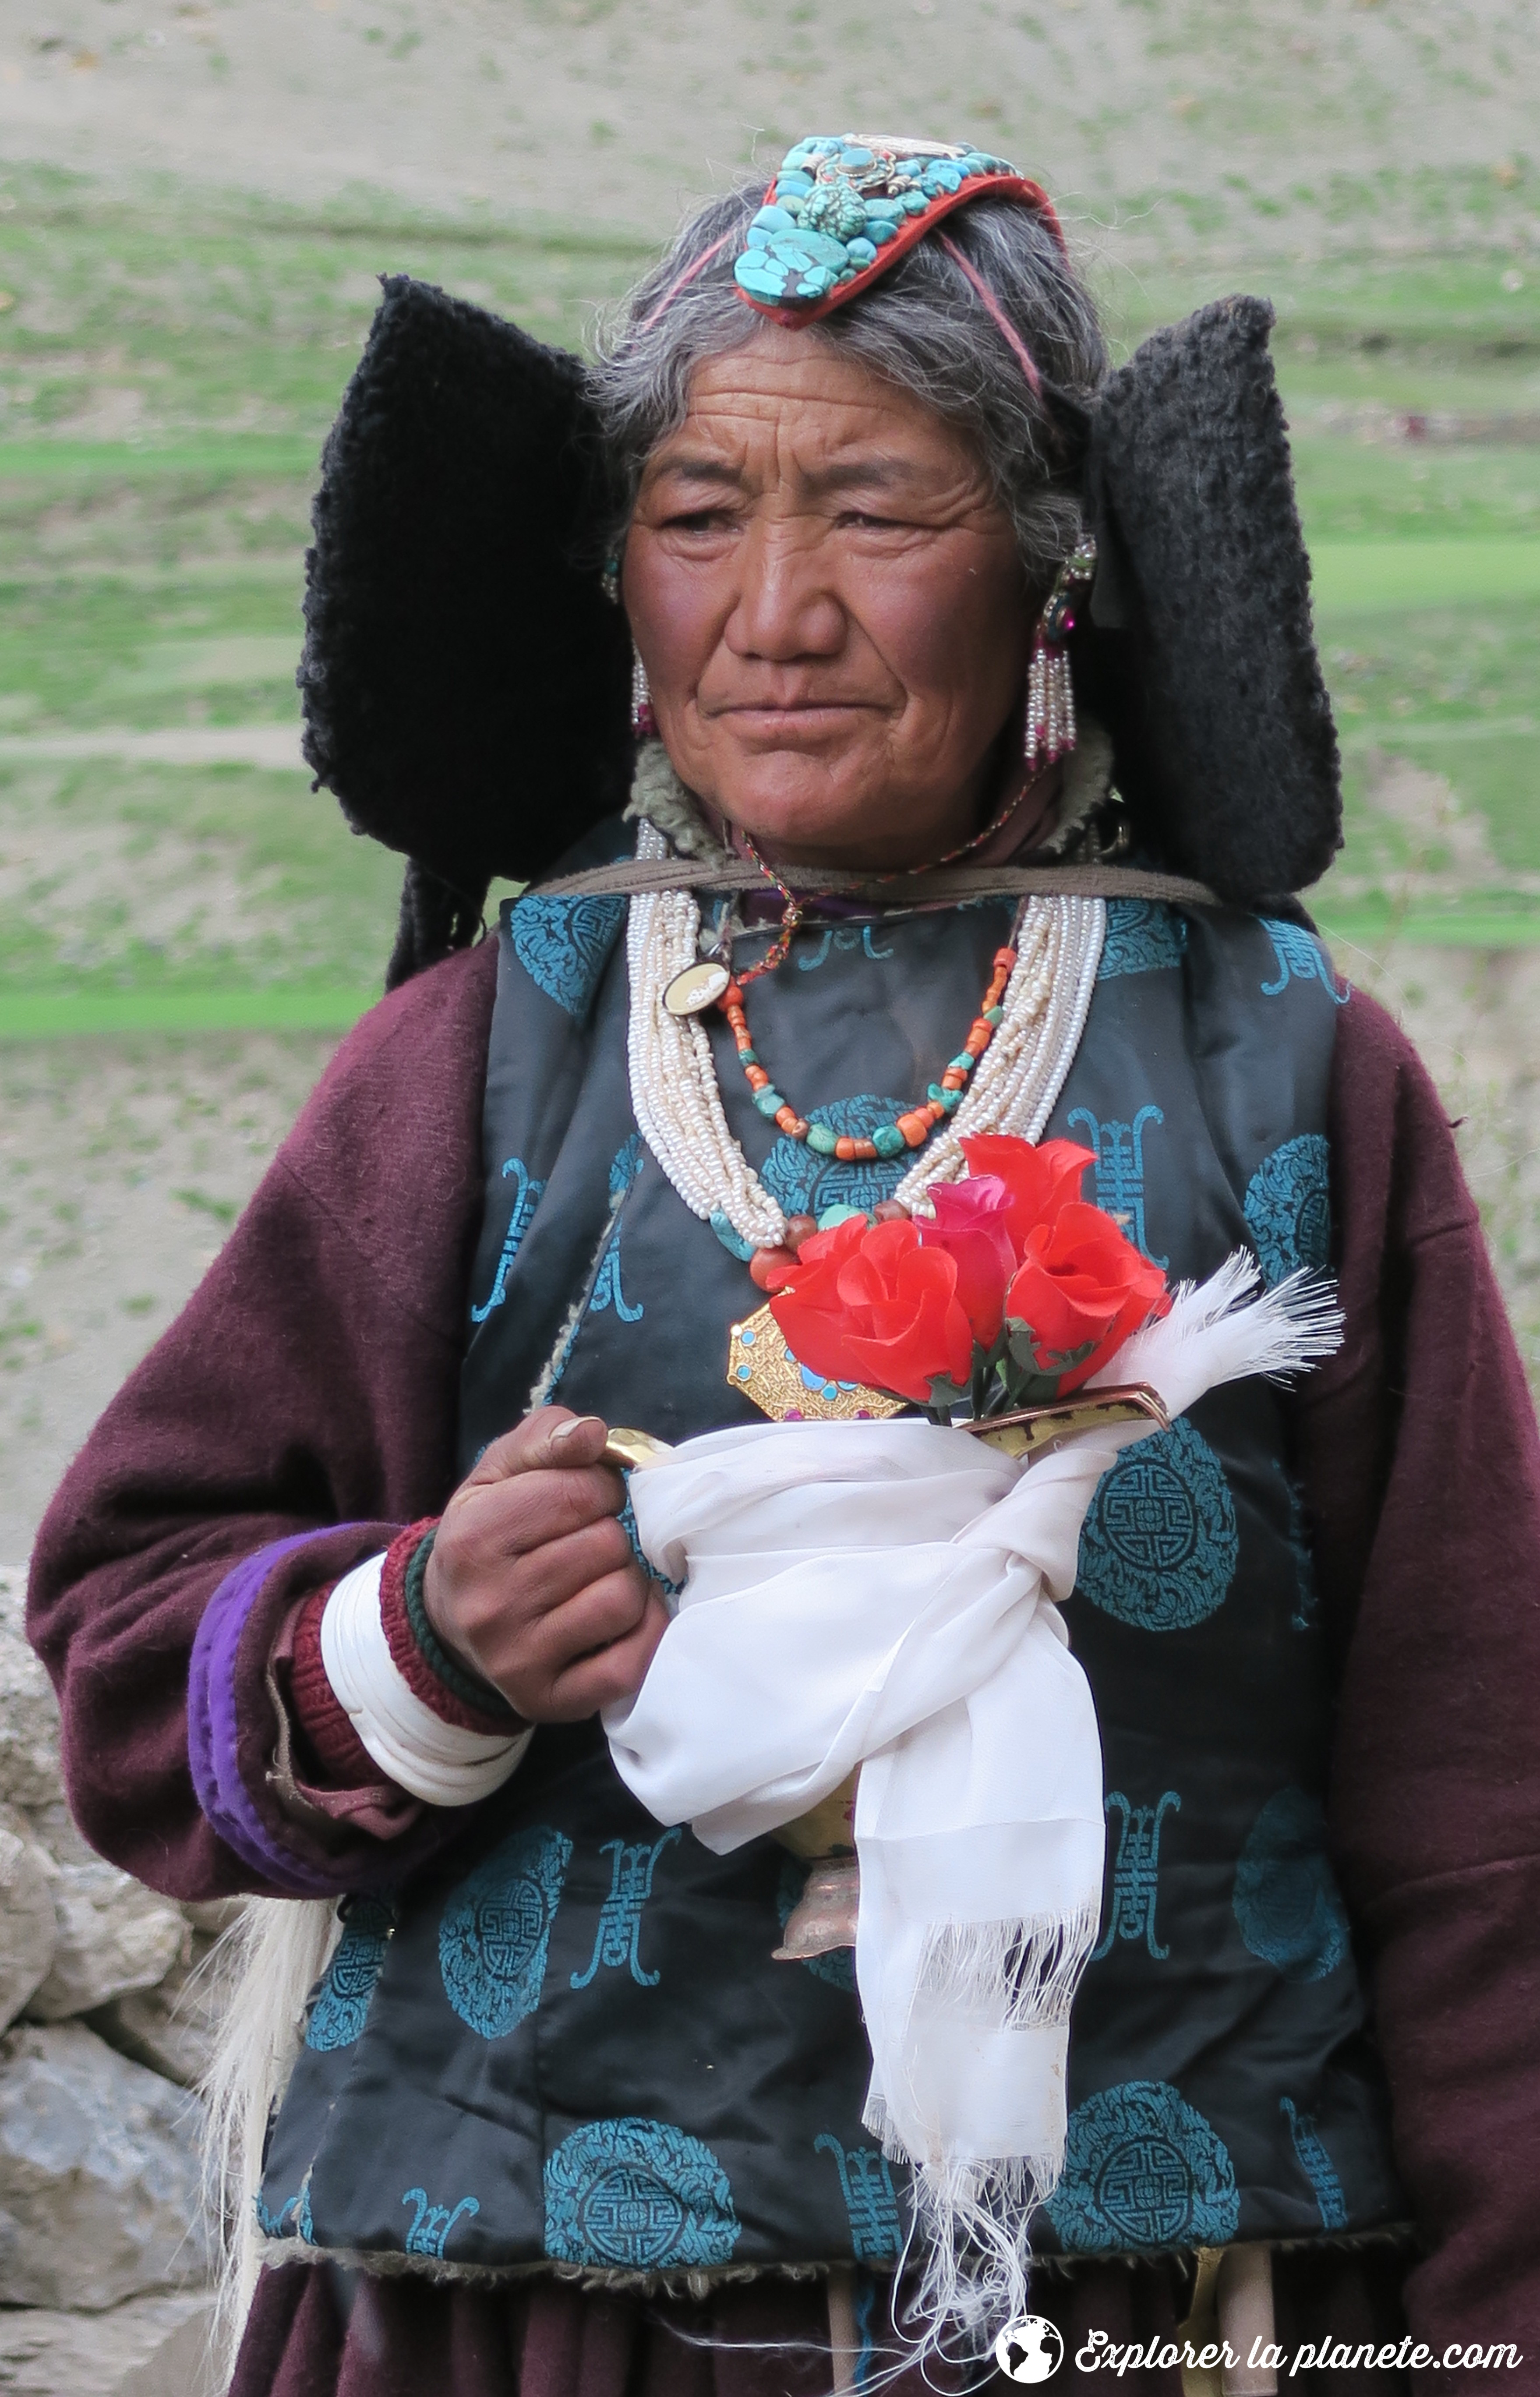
{"x": 780, "y": 407}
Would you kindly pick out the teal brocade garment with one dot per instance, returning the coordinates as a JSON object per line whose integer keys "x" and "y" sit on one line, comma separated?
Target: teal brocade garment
{"x": 568, "y": 2038}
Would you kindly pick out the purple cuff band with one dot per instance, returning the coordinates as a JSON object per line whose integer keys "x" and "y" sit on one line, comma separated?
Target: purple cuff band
{"x": 213, "y": 1731}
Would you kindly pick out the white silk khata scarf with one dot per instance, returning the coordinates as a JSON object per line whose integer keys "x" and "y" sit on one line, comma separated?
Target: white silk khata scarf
{"x": 887, "y": 1595}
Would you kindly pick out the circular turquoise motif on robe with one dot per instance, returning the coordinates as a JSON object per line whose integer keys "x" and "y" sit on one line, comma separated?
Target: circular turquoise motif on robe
{"x": 638, "y": 2194}
{"x": 342, "y": 2000}
{"x": 1287, "y": 1901}
{"x": 564, "y": 945}
{"x": 1144, "y": 2169}
{"x": 1159, "y": 1549}
{"x": 1289, "y": 1207}
{"x": 802, "y": 1183}
{"x": 495, "y": 1931}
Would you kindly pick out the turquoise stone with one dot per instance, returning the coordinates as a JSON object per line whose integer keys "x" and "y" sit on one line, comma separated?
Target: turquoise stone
{"x": 915, "y": 204}
{"x": 760, "y": 276}
{"x": 756, "y": 237}
{"x": 747, "y": 1057}
{"x": 730, "y": 1240}
{"x": 888, "y": 1141}
{"x": 821, "y": 1139}
{"x": 836, "y": 209}
{"x": 768, "y": 1100}
{"x": 773, "y": 220}
{"x": 832, "y": 1215}
{"x": 792, "y": 186}
{"x": 803, "y": 250}
{"x": 882, "y": 228}
{"x": 939, "y": 1098}
{"x": 854, "y": 155}
{"x": 994, "y": 1016}
{"x": 860, "y": 253}
{"x": 943, "y": 177}
{"x": 961, "y": 1063}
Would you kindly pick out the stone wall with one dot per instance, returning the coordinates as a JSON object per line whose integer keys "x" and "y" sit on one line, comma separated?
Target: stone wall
{"x": 106, "y": 2004}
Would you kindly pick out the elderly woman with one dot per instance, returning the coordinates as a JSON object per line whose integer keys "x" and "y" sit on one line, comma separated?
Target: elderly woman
{"x": 339, "y": 1586}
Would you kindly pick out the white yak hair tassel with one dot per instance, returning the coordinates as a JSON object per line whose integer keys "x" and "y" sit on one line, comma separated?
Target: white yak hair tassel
{"x": 1219, "y": 1332}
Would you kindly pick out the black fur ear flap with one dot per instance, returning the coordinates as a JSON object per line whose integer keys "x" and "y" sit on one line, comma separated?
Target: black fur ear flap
{"x": 1203, "y": 660}
{"x": 464, "y": 679}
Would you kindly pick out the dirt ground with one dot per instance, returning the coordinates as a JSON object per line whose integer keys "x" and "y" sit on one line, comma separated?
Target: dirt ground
{"x": 122, "y": 1166}
{"x": 1264, "y": 124}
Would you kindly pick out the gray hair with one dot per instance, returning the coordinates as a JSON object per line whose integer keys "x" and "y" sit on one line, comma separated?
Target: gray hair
{"x": 922, "y": 327}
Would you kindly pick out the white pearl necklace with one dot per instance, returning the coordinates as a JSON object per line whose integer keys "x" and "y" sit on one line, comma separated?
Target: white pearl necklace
{"x": 677, "y": 1101}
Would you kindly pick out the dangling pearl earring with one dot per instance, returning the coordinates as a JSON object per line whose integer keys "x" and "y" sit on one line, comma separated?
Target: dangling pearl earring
{"x": 1050, "y": 728}
{"x": 644, "y": 724}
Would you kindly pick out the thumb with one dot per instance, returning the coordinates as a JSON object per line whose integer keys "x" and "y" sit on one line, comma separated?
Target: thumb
{"x": 552, "y": 1436}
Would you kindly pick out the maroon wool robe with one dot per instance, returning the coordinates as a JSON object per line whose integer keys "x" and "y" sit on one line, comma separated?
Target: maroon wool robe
{"x": 311, "y": 1380}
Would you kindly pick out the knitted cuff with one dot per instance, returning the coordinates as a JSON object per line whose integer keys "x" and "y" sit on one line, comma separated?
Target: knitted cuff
{"x": 450, "y": 1689}
{"x": 318, "y": 1713}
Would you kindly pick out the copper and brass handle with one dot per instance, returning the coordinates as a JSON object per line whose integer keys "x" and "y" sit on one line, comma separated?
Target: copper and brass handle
{"x": 1034, "y": 1430}
{"x": 632, "y": 1451}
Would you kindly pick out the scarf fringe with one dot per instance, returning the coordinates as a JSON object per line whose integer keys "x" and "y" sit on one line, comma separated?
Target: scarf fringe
{"x": 1015, "y": 1975}
{"x": 972, "y": 2216}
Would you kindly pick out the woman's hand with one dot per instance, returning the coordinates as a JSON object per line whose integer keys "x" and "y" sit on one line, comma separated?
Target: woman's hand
{"x": 533, "y": 1581}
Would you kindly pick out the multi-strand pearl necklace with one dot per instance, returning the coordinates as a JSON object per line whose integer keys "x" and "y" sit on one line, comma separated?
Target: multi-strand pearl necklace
{"x": 679, "y": 1105}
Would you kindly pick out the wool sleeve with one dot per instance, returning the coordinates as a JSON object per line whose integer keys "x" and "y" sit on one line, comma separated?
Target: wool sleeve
{"x": 1421, "y": 1473}
{"x": 296, "y": 1415}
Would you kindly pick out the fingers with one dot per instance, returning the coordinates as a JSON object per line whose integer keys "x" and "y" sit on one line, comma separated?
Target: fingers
{"x": 533, "y": 1580}
{"x": 495, "y": 1613}
{"x": 494, "y": 1521}
{"x": 596, "y": 1618}
{"x": 585, "y": 1654}
{"x": 615, "y": 1674}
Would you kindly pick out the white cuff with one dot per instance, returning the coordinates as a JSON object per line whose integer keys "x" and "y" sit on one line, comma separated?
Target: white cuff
{"x": 437, "y": 1761}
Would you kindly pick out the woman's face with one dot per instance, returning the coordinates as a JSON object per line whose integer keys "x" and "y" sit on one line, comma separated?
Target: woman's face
{"x": 831, "y": 609}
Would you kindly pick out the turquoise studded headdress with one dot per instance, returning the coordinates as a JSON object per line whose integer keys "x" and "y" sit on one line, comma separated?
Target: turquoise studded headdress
{"x": 843, "y": 208}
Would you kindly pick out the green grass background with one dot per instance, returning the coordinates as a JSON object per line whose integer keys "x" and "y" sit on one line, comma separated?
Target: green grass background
{"x": 169, "y": 366}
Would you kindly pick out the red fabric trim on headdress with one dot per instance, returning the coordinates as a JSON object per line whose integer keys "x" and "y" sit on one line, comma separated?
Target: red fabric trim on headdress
{"x": 697, "y": 266}
{"x": 1024, "y": 356}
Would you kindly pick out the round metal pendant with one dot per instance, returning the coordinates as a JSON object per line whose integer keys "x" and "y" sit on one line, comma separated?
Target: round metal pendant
{"x": 698, "y": 986}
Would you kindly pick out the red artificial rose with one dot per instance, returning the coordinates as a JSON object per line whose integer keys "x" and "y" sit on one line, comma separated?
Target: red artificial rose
{"x": 972, "y": 1226}
{"x": 1082, "y": 1289}
{"x": 1039, "y": 1179}
{"x": 866, "y": 1303}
